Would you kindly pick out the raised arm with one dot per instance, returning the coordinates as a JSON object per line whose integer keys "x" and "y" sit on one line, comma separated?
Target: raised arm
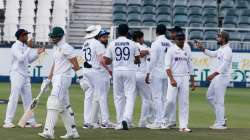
{"x": 206, "y": 51}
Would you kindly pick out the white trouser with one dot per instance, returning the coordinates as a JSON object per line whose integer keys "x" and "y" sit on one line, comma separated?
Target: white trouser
{"x": 124, "y": 83}
{"x": 100, "y": 97}
{"x": 144, "y": 91}
{"x": 159, "y": 92}
{"x": 20, "y": 85}
{"x": 88, "y": 95}
{"x": 215, "y": 97}
{"x": 182, "y": 92}
{"x": 61, "y": 105}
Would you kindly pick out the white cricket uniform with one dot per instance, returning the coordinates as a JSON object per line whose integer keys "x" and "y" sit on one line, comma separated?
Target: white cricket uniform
{"x": 58, "y": 101}
{"x": 142, "y": 88}
{"x": 98, "y": 77}
{"x": 217, "y": 87}
{"x": 21, "y": 57}
{"x": 122, "y": 51}
{"x": 158, "y": 75}
{"x": 179, "y": 61}
{"x": 172, "y": 117}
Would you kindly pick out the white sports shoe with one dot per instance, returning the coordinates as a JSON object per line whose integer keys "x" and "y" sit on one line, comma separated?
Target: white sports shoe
{"x": 118, "y": 127}
{"x": 35, "y": 125}
{"x": 165, "y": 126}
{"x": 95, "y": 125}
{"x": 218, "y": 127}
{"x": 143, "y": 124}
{"x": 108, "y": 125}
{"x": 87, "y": 126}
{"x": 168, "y": 125}
{"x": 70, "y": 136}
{"x": 185, "y": 130}
{"x": 9, "y": 125}
{"x": 154, "y": 126}
{"x": 122, "y": 126}
{"x": 46, "y": 136}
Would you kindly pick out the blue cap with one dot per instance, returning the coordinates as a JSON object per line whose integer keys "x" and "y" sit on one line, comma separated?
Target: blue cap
{"x": 180, "y": 35}
{"x": 20, "y": 32}
{"x": 103, "y": 32}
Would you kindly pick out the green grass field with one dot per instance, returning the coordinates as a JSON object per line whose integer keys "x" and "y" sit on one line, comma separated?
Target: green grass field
{"x": 201, "y": 116}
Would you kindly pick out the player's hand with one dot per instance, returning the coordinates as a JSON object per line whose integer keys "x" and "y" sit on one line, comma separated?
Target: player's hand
{"x": 30, "y": 43}
{"x": 199, "y": 45}
{"x": 173, "y": 83}
{"x": 193, "y": 87}
{"x": 110, "y": 72}
{"x": 40, "y": 50}
{"x": 211, "y": 77}
{"x": 83, "y": 84}
{"x": 147, "y": 79}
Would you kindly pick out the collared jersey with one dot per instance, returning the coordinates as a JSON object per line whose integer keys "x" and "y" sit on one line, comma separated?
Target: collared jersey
{"x": 142, "y": 67}
{"x": 90, "y": 50}
{"x": 21, "y": 57}
{"x": 122, "y": 51}
{"x": 223, "y": 57}
{"x": 157, "y": 56}
{"x": 62, "y": 53}
{"x": 179, "y": 61}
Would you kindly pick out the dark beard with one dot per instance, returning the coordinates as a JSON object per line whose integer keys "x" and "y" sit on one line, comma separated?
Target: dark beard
{"x": 105, "y": 44}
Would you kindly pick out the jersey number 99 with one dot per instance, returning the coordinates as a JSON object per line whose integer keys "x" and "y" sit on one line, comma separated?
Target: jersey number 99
{"x": 122, "y": 53}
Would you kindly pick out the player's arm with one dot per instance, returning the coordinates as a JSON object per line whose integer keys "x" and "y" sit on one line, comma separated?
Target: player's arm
{"x": 21, "y": 56}
{"x": 102, "y": 62}
{"x": 144, "y": 53}
{"x": 171, "y": 78}
{"x": 107, "y": 58}
{"x": 206, "y": 51}
{"x": 51, "y": 71}
{"x": 74, "y": 63}
{"x": 168, "y": 65}
{"x": 191, "y": 69}
{"x": 152, "y": 62}
{"x": 223, "y": 67}
{"x": 34, "y": 54}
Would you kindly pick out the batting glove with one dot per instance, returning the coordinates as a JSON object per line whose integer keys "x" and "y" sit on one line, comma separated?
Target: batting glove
{"x": 83, "y": 83}
{"x": 45, "y": 85}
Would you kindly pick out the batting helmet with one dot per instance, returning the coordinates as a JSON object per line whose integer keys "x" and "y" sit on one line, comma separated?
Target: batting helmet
{"x": 56, "y": 32}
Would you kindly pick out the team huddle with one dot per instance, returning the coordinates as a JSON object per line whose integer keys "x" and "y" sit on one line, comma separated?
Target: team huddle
{"x": 160, "y": 74}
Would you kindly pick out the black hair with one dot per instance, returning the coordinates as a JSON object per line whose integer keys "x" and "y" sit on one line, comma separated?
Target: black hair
{"x": 123, "y": 29}
{"x": 161, "y": 29}
{"x": 137, "y": 35}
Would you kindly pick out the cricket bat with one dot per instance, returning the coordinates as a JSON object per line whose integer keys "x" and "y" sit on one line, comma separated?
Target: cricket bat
{"x": 29, "y": 112}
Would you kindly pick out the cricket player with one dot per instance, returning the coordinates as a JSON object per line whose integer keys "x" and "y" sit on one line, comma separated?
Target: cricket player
{"x": 220, "y": 78}
{"x": 22, "y": 55}
{"x": 123, "y": 53}
{"x": 91, "y": 33}
{"x": 179, "y": 70}
{"x": 64, "y": 60}
{"x": 142, "y": 88}
{"x": 98, "y": 76}
{"x": 171, "y": 121}
{"x": 158, "y": 75}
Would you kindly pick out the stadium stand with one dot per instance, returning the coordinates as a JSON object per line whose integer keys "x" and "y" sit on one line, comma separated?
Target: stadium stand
{"x": 90, "y": 12}
{"x": 202, "y": 18}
